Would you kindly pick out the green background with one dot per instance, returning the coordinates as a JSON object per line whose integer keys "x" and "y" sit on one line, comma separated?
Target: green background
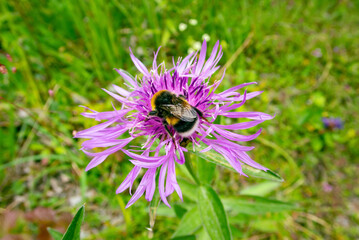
{"x": 303, "y": 54}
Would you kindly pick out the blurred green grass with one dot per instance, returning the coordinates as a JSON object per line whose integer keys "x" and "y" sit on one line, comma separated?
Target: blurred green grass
{"x": 303, "y": 54}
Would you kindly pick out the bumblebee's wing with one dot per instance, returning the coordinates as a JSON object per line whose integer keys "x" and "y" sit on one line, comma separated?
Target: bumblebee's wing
{"x": 184, "y": 113}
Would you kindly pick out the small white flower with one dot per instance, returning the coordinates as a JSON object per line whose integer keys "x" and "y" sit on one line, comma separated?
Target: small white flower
{"x": 193, "y": 22}
{"x": 139, "y": 51}
{"x": 190, "y": 50}
{"x": 182, "y": 27}
{"x": 206, "y": 37}
{"x": 197, "y": 45}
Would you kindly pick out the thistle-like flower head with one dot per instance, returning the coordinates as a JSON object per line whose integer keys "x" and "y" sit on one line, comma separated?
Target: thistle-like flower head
{"x": 191, "y": 78}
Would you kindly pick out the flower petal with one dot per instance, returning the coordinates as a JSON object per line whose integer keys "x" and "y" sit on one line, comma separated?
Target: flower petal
{"x": 161, "y": 186}
{"x": 121, "y": 91}
{"x": 142, "y": 158}
{"x": 151, "y": 186}
{"x": 234, "y": 89}
{"x": 238, "y": 126}
{"x": 96, "y": 161}
{"x": 85, "y": 133}
{"x": 126, "y": 77}
{"x": 201, "y": 58}
{"x": 140, "y": 66}
{"x": 237, "y": 137}
{"x": 249, "y": 115}
{"x": 131, "y": 177}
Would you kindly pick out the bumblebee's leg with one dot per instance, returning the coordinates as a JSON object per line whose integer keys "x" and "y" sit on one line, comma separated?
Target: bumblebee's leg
{"x": 185, "y": 142}
{"x": 152, "y": 113}
{"x": 198, "y": 111}
{"x": 166, "y": 127}
{"x": 200, "y": 114}
{"x": 168, "y": 131}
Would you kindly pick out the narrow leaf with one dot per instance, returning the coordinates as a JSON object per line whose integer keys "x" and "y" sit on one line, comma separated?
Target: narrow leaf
{"x": 213, "y": 215}
{"x": 261, "y": 189}
{"x": 269, "y": 174}
{"x": 216, "y": 158}
{"x": 56, "y": 235}
{"x": 73, "y": 231}
{"x": 252, "y": 205}
{"x": 190, "y": 223}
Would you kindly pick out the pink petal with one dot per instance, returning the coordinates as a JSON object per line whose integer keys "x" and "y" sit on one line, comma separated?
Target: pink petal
{"x": 161, "y": 183}
{"x": 201, "y": 58}
{"x": 131, "y": 177}
{"x": 140, "y": 66}
{"x": 126, "y": 77}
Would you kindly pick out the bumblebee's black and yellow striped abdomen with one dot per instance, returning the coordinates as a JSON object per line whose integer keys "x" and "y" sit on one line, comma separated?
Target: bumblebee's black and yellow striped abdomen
{"x": 185, "y": 129}
{"x": 172, "y": 121}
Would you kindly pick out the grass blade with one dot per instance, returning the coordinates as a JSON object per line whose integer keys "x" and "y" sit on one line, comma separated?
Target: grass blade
{"x": 253, "y": 205}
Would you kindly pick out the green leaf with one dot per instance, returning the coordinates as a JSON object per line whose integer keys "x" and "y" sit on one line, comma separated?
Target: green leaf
{"x": 165, "y": 211}
{"x": 216, "y": 158}
{"x": 179, "y": 210}
{"x": 260, "y": 189}
{"x": 190, "y": 223}
{"x": 202, "y": 234}
{"x": 73, "y": 231}
{"x": 189, "y": 190}
{"x": 212, "y": 213}
{"x": 252, "y": 205}
{"x": 56, "y": 235}
{"x": 205, "y": 171}
{"x": 254, "y": 172}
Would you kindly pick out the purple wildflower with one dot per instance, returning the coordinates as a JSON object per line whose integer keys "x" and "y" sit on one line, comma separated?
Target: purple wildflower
{"x": 188, "y": 77}
{"x": 333, "y": 123}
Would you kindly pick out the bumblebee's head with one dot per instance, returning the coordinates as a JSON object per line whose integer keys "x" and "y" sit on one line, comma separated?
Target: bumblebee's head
{"x": 161, "y": 97}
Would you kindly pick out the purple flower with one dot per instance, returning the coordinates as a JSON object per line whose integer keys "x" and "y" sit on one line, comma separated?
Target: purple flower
{"x": 333, "y": 123}
{"x": 189, "y": 77}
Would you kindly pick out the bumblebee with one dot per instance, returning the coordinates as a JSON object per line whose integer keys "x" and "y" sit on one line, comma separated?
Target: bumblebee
{"x": 175, "y": 111}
